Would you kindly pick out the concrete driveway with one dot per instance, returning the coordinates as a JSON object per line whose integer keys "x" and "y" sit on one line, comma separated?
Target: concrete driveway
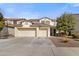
{"x": 26, "y": 47}
{"x": 34, "y": 47}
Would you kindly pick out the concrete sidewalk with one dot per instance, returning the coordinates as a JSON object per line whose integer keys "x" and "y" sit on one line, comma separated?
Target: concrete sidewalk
{"x": 66, "y": 51}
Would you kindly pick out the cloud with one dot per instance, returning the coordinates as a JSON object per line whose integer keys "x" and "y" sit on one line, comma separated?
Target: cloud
{"x": 65, "y": 7}
{"x": 71, "y": 5}
{"x": 75, "y": 4}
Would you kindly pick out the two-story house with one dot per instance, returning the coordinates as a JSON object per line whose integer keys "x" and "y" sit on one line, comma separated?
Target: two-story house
{"x": 13, "y": 21}
{"x": 42, "y": 27}
{"x": 32, "y": 30}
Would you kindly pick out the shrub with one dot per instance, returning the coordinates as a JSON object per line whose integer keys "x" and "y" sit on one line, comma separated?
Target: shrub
{"x": 2, "y": 23}
{"x": 75, "y": 35}
{"x": 1, "y": 29}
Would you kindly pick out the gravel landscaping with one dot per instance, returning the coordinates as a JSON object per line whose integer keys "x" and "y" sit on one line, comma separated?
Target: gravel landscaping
{"x": 58, "y": 42}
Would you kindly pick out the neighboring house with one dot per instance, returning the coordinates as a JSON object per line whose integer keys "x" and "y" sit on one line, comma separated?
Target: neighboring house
{"x": 12, "y": 21}
{"x": 77, "y": 23}
{"x": 34, "y": 21}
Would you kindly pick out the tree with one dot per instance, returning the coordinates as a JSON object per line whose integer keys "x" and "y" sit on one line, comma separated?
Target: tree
{"x": 1, "y": 21}
{"x": 66, "y": 23}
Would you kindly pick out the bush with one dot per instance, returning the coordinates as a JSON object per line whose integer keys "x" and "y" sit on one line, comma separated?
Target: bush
{"x": 2, "y": 23}
{"x": 75, "y": 35}
{"x": 1, "y": 29}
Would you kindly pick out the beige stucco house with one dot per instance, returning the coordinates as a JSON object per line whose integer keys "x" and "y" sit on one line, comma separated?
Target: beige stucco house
{"x": 32, "y": 30}
{"x": 32, "y": 27}
{"x": 12, "y": 21}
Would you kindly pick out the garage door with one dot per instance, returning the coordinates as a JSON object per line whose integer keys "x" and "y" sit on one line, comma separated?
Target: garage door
{"x": 42, "y": 33}
{"x": 26, "y": 32}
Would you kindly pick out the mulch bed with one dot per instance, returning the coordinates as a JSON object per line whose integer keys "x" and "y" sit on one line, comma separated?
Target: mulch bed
{"x": 58, "y": 42}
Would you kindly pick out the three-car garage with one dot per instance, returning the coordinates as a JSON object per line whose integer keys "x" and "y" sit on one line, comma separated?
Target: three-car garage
{"x": 31, "y": 32}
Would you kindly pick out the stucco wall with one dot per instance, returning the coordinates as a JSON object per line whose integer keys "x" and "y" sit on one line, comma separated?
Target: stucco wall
{"x": 11, "y": 31}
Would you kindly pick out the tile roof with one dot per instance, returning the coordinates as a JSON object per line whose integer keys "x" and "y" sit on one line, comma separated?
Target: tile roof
{"x": 40, "y": 25}
{"x": 46, "y": 18}
{"x": 14, "y": 25}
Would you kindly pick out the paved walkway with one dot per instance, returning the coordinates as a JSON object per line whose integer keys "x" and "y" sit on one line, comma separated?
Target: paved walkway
{"x": 34, "y": 47}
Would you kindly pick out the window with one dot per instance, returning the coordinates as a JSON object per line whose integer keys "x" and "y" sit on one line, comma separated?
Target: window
{"x": 47, "y": 22}
{"x": 43, "y": 22}
{"x": 26, "y": 23}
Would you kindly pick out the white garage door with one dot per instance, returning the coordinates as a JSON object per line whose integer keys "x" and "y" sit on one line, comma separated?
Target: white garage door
{"x": 26, "y": 32}
{"x": 42, "y": 33}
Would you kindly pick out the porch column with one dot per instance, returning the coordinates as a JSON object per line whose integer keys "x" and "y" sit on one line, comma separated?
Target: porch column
{"x": 48, "y": 32}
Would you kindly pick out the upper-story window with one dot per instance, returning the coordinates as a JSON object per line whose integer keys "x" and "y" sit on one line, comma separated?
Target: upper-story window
{"x": 47, "y": 22}
{"x": 26, "y": 24}
{"x": 43, "y": 22}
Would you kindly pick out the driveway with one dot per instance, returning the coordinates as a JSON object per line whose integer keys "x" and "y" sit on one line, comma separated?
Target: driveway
{"x": 34, "y": 47}
{"x": 27, "y": 46}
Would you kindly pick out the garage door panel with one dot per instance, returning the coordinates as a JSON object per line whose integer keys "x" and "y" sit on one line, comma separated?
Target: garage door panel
{"x": 42, "y": 33}
{"x": 27, "y": 32}
{"x": 31, "y": 32}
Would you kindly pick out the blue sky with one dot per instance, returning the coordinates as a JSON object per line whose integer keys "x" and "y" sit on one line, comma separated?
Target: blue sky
{"x": 37, "y": 10}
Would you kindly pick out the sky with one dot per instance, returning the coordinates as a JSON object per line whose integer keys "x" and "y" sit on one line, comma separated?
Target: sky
{"x": 37, "y": 10}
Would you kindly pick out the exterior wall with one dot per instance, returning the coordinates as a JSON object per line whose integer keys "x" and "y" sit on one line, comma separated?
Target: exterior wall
{"x": 37, "y": 31}
{"x": 48, "y": 32}
{"x": 26, "y": 24}
{"x": 11, "y": 31}
{"x": 53, "y": 23}
{"x": 10, "y": 22}
{"x": 16, "y": 32}
{"x": 77, "y": 24}
{"x": 19, "y": 22}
